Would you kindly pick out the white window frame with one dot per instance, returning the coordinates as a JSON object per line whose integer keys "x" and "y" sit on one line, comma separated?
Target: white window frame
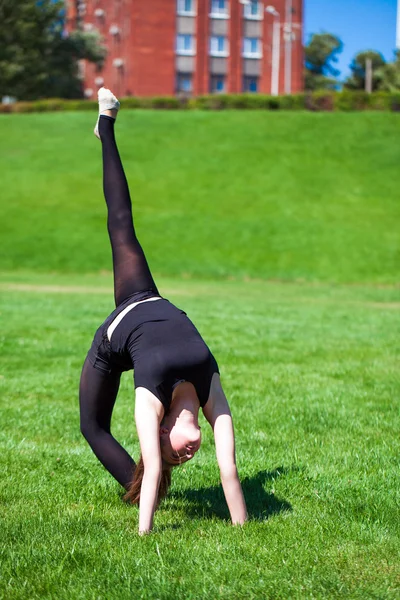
{"x": 215, "y": 51}
{"x": 180, "y": 9}
{"x": 185, "y": 51}
{"x": 251, "y": 54}
{"x": 248, "y": 15}
{"x": 218, "y": 14}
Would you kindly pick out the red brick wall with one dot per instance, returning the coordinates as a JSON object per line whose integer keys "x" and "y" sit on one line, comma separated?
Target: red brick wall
{"x": 235, "y": 50}
{"x": 152, "y": 47}
{"x": 146, "y": 43}
{"x": 201, "y": 74}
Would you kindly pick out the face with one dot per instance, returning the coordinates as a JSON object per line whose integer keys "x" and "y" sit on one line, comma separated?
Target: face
{"x": 180, "y": 443}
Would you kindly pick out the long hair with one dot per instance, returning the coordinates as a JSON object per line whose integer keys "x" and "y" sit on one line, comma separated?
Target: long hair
{"x": 133, "y": 493}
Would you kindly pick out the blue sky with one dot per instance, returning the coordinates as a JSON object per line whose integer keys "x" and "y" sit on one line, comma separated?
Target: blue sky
{"x": 360, "y": 24}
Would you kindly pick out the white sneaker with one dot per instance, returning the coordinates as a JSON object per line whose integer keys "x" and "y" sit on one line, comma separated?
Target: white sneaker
{"x": 107, "y": 101}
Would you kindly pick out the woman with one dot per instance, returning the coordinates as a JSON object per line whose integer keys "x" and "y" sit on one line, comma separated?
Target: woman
{"x": 174, "y": 371}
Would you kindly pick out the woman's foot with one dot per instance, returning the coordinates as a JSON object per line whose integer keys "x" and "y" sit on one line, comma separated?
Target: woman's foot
{"x": 108, "y": 105}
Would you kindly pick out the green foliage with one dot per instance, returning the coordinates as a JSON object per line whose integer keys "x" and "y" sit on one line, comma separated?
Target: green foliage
{"x": 325, "y": 100}
{"x": 382, "y": 101}
{"x": 356, "y": 81}
{"x": 132, "y": 102}
{"x": 313, "y": 82}
{"x": 37, "y": 58}
{"x": 321, "y": 51}
{"x": 351, "y": 101}
{"x": 388, "y": 75}
{"x": 292, "y": 102}
{"x": 237, "y": 101}
{"x": 311, "y": 373}
{"x": 320, "y": 100}
{"x": 164, "y": 102}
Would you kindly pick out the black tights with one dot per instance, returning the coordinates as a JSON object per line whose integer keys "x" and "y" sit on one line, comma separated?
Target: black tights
{"x": 98, "y": 390}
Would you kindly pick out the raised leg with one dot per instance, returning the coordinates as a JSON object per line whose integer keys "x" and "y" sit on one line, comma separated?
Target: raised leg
{"x": 97, "y": 395}
{"x": 131, "y": 271}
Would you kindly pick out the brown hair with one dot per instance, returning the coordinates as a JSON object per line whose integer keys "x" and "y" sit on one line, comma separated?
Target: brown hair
{"x": 133, "y": 493}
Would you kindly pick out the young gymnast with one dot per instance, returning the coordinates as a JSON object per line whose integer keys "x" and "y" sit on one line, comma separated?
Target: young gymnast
{"x": 174, "y": 371}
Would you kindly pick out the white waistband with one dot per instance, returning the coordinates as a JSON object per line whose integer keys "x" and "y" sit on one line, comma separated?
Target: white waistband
{"x": 122, "y": 314}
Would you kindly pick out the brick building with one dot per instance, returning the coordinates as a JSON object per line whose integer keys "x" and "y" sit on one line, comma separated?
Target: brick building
{"x": 167, "y": 47}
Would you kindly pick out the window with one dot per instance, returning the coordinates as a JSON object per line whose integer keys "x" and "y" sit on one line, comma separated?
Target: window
{"x": 218, "y": 45}
{"x": 250, "y": 84}
{"x": 251, "y": 47}
{"x": 217, "y": 84}
{"x": 184, "y": 83}
{"x": 186, "y": 7}
{"x": 185, "y": 44}
{"x": 253, "y": 10}
{"x": 219, "y": 9}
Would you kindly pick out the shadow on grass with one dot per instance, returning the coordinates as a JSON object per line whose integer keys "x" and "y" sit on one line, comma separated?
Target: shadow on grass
{"x": 210, "y": 502}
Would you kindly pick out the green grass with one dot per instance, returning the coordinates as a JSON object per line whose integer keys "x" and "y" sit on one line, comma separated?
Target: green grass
{"x": 312, "y": 378}
{"x": 309, "y": 359}
{"x": 244, "y": 194}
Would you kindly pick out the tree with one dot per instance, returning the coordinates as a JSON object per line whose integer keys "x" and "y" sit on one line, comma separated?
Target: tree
{"x": 37, "y": 57}
{"x": 389, "y": 75}
{"x": 322, "y": 50}
{"x": 356, "y": 81}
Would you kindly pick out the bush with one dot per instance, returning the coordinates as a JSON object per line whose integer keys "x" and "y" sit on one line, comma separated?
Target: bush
{"x": 321, "y": 100}
{"x": 247, "y": 102}
{"x": 50, "y": 104}
{"x": 344, "y": 101}
{"x": 131, "y": 102}
{"x": 6, "y": 108}
{"x": 164, "y": 102}
{"x": 211, "y": 102}
{"x": 380, "y": 101}
{"x": 23, "y": 107}
{"x": 81, "y": 105}
{"x": 293, "y": 102}
{"x": 395, "y": 101}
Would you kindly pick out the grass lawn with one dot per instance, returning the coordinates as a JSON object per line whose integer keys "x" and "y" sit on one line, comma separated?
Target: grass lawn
{"x": 312, "y": 378}
{"x": 278, "y": 234}
{"x": 245, "y": 194}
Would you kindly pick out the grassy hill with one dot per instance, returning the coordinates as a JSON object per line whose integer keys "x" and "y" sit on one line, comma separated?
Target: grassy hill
{"x": 235, "y": 194}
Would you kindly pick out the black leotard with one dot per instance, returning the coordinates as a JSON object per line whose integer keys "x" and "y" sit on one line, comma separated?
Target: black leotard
{"x": 160, "y": 343}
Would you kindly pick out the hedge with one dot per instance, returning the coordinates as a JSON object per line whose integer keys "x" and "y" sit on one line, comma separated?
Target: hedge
{"x": 315, "y": 101}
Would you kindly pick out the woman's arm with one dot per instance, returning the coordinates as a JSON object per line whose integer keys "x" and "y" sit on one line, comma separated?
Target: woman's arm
{"x": 219, "y": 416}
{"x": 148, "y": 414}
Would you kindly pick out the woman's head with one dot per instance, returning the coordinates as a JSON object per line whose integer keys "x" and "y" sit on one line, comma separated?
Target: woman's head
{"x": 180, "y": 435}
{"x": 179, "y": 441}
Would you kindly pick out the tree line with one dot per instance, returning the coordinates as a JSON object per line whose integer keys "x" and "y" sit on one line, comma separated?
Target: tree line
{"x": 39, "y": 58}
{"x": 321, "y": 55}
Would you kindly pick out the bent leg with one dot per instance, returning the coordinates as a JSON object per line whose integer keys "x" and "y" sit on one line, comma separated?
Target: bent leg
{"x": 131, "y": 271}
{"x": 97, "y": 395}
